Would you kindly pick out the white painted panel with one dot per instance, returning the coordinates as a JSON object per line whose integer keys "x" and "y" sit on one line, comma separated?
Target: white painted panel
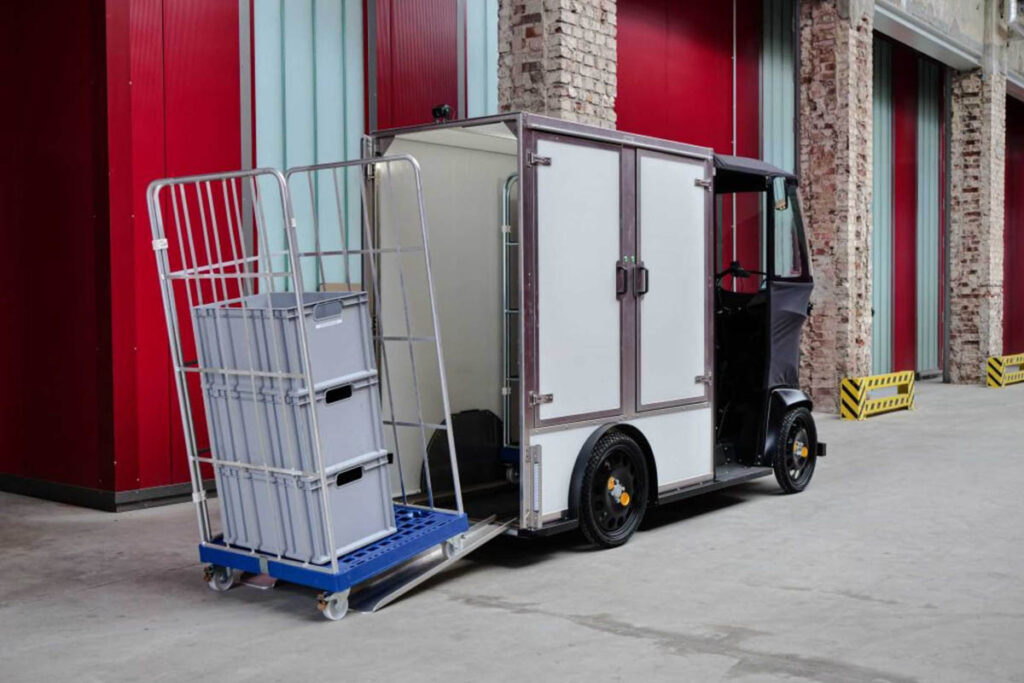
{"x": 673, "y": 238}
{"x": 680, "y": 441}
{"x": 577, "y": 248}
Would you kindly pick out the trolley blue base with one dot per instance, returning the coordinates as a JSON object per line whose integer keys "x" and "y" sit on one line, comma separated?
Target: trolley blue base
{"x": 418, "y": 529}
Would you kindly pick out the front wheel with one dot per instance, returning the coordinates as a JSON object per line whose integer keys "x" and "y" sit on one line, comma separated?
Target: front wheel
{"x": 796, "y": 450}
{"x": 614, "y": 494}
{"x": 219, "y": 578}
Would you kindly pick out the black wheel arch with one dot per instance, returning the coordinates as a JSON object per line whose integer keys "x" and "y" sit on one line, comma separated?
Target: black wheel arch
{"x": 780, "y": 402}
{"x": 584, "y": 455}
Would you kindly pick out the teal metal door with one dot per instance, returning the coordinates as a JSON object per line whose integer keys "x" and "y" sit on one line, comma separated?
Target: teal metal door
{"x": 308, "y": 87}
{"x": 881, "y": 210}
{"x": 929, "y": 219}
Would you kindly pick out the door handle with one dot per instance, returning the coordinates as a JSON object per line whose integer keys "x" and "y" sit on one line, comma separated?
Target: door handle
{"x": 621, "y": 279}
{"x": 642, "y": 281}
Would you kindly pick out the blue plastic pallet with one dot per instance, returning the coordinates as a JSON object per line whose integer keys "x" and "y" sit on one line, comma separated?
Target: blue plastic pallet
{"x": 418, "y": 530}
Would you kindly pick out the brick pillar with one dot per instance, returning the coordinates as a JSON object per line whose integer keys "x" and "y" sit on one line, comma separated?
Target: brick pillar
{"x": 977, "y": 153}
{"x": 557, "y": 57}
{"x": 835, "y": 171}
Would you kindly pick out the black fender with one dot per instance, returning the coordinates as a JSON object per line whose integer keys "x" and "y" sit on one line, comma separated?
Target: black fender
{"x": 576, "y": 482}
{"x": 780, "y": 401}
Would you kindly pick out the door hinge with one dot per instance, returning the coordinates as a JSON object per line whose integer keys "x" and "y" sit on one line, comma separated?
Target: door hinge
{"x": 703, "y": 182}
{"x": 537, "y": 160}
{"x": 538, "y": 399}
{"x": 702, "y": 379}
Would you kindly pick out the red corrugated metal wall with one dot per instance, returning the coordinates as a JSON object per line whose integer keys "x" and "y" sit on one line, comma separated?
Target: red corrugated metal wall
{"x": 904, "y": 214}
{"x": 55, "y": 374}
{"x": 675, "y": 77}
{"x": 111, "y": 95}
{"x": 1013, "y": 287}
{"x": 183, "y": 116}
{"x": 417, "y": 60}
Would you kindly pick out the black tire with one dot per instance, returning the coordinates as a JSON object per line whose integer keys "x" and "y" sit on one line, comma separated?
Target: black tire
{"x": 614, "y": 491}
{"x": 796, "y": 450}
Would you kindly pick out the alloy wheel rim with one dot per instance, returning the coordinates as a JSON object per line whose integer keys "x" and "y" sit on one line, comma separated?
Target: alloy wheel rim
{"x": 617, "y": 487}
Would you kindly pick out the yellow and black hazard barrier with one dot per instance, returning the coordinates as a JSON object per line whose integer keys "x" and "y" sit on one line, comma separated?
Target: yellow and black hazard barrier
{"x": 1000, "y": 374}
{"x": 855, "y": 404}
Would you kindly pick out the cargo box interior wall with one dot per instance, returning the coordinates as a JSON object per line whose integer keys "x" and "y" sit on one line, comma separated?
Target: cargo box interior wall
{"x": 463, "y": 172}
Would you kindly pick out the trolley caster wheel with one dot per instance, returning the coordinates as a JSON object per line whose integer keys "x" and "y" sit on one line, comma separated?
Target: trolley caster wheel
{"x": 334, "y": 606}
{"x": 451, "y": 548}
{"x": 219, "y": 578}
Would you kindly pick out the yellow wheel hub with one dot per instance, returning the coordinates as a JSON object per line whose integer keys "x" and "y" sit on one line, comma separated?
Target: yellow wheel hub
{"x": 618, "y": 491}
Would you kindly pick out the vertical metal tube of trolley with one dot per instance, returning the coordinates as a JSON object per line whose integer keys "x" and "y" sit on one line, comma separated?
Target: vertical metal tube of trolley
{"x": 307, "y": 368}
{"x": 263, "y": 423}
{"x": 200, "y": 299}
{"x": 378, "y": 300}
{"x": 437, "y": 335}
{"x": 412, "y": 351}
{"x": 373, "y": 250}
{"x": 506, "y": 242}
{"x": 277, "y": 351}
{"x": 342, "y": 227}
{"x": 314, "y": 199}
{"x": 167, "y": 296}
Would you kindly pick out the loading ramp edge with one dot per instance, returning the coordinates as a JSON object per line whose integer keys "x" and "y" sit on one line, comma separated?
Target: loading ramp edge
{"x": 385, "y": 589}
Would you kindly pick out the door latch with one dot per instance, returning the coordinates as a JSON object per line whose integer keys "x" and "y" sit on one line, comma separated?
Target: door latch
{"x": 537, "y": 399}
{"x": 537, "y": 160}
{"x": 702, "y": 379}
{"x": 703, "y": 182}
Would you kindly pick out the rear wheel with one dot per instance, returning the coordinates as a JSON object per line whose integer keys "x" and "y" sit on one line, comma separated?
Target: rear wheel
{"x": 796, "y": 448}
{"x": 614, "y": 491}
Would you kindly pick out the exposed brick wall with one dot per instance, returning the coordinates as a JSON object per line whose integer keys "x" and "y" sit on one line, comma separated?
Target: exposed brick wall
{"x": 835, "y": 169}
{"x": 977, "y": 152}
{"x": 558, "y": 57}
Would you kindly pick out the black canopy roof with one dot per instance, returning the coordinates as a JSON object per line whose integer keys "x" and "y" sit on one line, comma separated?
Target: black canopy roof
{"x": 742, "y": 174}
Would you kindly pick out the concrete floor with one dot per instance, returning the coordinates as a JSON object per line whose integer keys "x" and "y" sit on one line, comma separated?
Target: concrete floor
{"x": 903, "y": 561}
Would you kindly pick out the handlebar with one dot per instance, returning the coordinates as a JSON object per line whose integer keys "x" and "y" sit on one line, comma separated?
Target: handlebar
{"x": 737, "y": 271}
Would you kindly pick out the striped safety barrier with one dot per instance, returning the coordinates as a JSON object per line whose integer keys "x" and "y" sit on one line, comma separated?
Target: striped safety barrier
{"x": 999, "y": 372}
{"x": 856, "y": 404}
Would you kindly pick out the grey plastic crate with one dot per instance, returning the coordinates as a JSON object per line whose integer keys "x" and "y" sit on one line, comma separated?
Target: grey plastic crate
{"x": 282, "y": 514}
{"x": 263, "y": 334}
{"x": 267, "y": 428}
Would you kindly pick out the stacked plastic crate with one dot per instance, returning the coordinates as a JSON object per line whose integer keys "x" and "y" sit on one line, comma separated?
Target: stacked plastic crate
{"x": 260, "y": 410}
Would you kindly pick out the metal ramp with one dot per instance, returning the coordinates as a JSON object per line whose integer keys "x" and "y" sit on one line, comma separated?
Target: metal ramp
{"x": 388, "y": 587}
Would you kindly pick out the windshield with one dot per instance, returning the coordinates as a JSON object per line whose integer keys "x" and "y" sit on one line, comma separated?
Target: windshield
{"x": 790, "y": 246}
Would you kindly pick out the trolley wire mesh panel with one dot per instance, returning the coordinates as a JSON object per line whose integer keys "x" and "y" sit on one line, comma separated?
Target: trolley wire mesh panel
{"x": 270, "y": 335}
{"x": 393, "y": 264}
